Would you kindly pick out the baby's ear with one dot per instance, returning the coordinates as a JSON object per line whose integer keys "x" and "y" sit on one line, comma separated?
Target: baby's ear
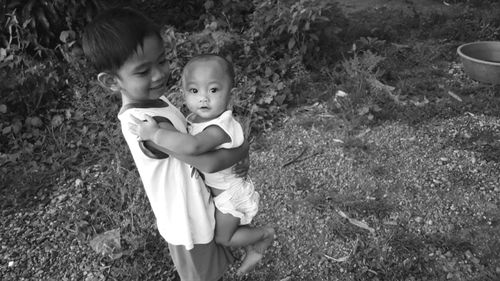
{"x": 108, "y": 81}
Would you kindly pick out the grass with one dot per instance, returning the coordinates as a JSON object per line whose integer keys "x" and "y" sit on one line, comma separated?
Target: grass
{"x": 419, "y": 181}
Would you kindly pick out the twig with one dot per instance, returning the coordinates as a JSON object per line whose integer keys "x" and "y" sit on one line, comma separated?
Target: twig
{"x": 327, "y": 116}
{"x": 455, "y": 96}
{"x": 342, "y": 259}
{"x": 295, "y": 159}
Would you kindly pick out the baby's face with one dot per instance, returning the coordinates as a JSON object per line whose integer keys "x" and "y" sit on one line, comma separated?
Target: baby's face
{"x": 207, "y": 89}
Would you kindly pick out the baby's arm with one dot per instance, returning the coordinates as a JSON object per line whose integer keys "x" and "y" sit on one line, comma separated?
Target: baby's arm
{"x": 175, "y": 141}
{"x": 212, "y": 161}
{"x": 216, "y": 160}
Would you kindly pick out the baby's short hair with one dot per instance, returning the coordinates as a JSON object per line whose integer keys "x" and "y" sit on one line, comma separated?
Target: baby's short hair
{"x": 228, "y": 66}
{"x": 114, "y": 35}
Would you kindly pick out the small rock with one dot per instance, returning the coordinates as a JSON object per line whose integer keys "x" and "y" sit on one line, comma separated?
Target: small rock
{"x": 419, "y": 219}
{"x": 468, "y": 254}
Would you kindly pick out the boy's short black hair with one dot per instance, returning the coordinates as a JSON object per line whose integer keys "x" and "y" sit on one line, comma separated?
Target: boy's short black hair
{"x": 114, "y": 35}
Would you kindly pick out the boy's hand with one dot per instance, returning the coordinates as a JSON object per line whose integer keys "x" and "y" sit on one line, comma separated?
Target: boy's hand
{"x": 241, "y": 168}
{"x": 144, "y": 130}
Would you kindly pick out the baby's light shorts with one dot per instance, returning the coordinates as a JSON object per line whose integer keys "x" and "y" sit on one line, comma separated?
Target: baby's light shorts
{"x": 241, "y": 201}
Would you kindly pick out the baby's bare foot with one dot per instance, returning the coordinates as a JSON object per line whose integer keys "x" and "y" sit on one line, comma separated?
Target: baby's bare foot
{"x": 255, "y": 252}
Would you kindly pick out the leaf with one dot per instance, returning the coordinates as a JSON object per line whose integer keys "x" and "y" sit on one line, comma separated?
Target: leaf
{"x": 3, "y": 53}
{"x": 291, "y": 43}
{"x": 67, "y": 36}
{"x": 356, "y": 222}
{"x": 280, "y": 99}
{"x": 6, "y": 130}
{"x": 35, "y": 122}
{"x": 108, "y": 244}
{"x": 364, "y": 110}
{"x": 268, "y": 72}
{"x": 57, "y": 120}
{"x": 341, "y": 94}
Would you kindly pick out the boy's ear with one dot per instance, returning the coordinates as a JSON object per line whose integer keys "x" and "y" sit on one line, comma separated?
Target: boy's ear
{"x": 108, "y": 81}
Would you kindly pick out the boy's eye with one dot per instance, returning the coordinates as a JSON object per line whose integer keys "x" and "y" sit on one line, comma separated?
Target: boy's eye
{"x": 143, "y": 72}
{"x": 213, "y": 90}
{"x": 193, "y": 91}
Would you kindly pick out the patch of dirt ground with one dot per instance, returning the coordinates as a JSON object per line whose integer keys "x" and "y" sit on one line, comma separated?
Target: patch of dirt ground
{"x": 394, "y": 202}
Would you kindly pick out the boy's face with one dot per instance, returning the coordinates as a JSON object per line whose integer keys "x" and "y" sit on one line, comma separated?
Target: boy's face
{"x": 144, "y": 75}
{"x": 207, "y": 89}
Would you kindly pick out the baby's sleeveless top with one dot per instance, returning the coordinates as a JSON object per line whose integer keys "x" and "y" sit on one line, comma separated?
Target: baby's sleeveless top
{"x": 226, "y": 178}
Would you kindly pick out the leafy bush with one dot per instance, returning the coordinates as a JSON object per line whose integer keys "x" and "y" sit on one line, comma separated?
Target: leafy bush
{"x": 295, "y": 27}
{"x": 361, "y": 86}
{"x": 43, "y": 21}
{"x": 471, "y": 25}
{"x": 269, "y": 55}
{"x": 228, "y": 14}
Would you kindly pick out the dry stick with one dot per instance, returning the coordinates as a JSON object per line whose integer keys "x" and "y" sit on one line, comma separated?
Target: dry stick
{"x": 295, "y": 159}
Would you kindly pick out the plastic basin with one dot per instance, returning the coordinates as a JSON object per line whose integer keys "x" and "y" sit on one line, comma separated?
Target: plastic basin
{"x": 481, "y": 60}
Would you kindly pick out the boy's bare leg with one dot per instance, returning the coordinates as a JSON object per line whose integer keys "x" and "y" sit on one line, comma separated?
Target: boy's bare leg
{"x": 255, "y": 252}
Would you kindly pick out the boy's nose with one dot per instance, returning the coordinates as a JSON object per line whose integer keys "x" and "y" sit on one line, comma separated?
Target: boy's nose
{"x": 159, "y": 73}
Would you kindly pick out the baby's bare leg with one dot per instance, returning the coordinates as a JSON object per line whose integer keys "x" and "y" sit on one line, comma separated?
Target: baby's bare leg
{"x": 255, "y": 252}
{"x": 229, "y": 233}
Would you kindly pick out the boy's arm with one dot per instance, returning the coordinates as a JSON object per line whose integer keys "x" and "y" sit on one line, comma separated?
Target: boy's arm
{"x": 165, "y": 135}
{"x": 212, "y": 161}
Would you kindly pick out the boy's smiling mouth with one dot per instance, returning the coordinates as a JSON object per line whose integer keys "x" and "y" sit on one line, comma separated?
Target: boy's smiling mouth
{"x": 159, "y": 86}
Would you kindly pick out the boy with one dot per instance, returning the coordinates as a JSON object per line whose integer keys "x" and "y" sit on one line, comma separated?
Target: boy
{"x": 127, "y": 50}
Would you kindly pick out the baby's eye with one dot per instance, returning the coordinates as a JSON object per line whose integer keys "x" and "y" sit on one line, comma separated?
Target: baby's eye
{"x": 193, "y": 91}
{"x": 213, "y": 90}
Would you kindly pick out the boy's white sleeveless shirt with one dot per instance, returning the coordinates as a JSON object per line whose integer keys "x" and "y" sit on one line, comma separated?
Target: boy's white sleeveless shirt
{"x": 181, "y": 203}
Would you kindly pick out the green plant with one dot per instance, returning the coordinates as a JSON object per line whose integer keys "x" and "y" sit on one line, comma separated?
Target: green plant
{"x": 261, "y": 90}
{"x": 293, "y": 27}
{"x": 229, "y": 14}
{"x": 43, "y": 21}
{"x": 359, "y": 77}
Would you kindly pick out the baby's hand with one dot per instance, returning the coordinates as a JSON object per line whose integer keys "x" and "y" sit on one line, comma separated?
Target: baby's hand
{"x": 144, "y": 130}
{"x": 241, "y": 168}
